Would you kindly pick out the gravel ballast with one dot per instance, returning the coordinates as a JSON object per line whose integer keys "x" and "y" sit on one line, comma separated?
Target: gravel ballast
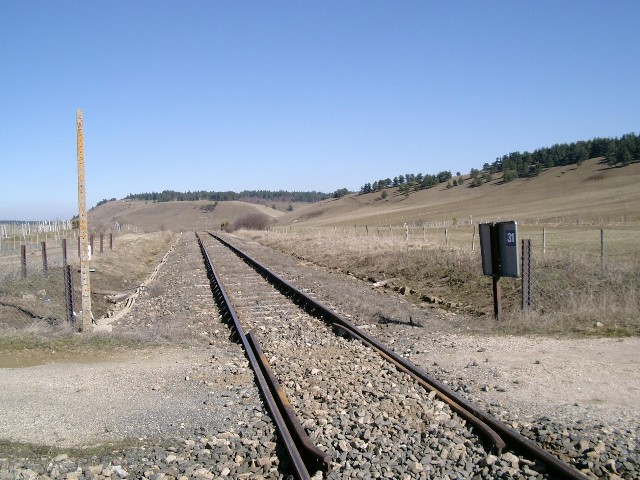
{"x": 190, "y": 409}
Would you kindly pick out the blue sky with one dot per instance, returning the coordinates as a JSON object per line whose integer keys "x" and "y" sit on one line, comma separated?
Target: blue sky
{"x": 297, "y": 95}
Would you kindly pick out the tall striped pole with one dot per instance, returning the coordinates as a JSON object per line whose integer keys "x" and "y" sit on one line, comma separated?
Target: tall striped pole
{"x": 84, "y": 244}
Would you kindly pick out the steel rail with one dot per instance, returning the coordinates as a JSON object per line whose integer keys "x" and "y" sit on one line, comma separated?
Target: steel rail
{"x": 485, "y": 430}
{"x": 514, "y": 440}
{"x": 228, "y": 311}
{"x": 312, "y": 455}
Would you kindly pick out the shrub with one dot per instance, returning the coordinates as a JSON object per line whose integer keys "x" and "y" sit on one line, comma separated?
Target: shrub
{"x": 251, "y": 221}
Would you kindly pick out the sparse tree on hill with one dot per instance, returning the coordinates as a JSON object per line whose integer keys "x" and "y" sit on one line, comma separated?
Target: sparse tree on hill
{"x": 509, "y": 175}
{"x": 341, "y": 192}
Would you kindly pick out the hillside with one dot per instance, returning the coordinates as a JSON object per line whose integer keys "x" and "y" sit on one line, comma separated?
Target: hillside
{"x": 175, "y": 216}
{"x": 590, "y": 192}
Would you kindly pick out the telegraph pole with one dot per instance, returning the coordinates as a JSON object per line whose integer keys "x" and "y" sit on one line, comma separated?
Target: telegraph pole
{"x": 84, "y": 244}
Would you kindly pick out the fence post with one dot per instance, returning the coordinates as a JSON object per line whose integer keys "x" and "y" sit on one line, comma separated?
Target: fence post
{"x": 101, "y": 242}
{"x": 64, "y": 251}
{"x": 23, "y": 260}
{"x": 602, "y": 247}
{"x": 473, "y": 239}
{"x": 544, "y": 241}
{"x": 111, "y": 241}
{"x": 526, "y": 275}
{"x": 68, "y": 295}
{"x": 45, "y": 266}
{"x": 446, "y": 236}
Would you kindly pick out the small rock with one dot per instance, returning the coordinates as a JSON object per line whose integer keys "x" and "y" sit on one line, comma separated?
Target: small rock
{"x": 264, "y": 462}
{"x": 121, "y": 472}
{"x": 270, "y": 446}
{"x": 490, "y": 460}
{"x": 511, "y": 458}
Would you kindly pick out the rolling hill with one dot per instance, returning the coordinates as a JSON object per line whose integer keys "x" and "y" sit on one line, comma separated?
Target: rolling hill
{"x": 590, "y": 192}
{"x": 175, "y": 216}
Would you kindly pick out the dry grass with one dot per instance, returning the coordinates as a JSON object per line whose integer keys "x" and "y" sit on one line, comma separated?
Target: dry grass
{"x": 571, "y": 293}
{"x": 32, "y": 309}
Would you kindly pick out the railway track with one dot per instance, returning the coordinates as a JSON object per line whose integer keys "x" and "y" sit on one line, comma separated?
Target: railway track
{"x": 368, "y": 412}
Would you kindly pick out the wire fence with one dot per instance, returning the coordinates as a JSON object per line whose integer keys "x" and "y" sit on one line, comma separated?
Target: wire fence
{"x": 612, "y": 244}
{"x": 34, "y": 247}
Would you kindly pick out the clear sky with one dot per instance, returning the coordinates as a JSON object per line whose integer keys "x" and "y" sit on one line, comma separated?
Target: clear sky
{"x": 297, "y": 95}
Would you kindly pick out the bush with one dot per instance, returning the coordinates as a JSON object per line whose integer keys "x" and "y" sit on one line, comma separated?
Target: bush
{"x": 509, "y": 176}
{"x": 251, "y": 221}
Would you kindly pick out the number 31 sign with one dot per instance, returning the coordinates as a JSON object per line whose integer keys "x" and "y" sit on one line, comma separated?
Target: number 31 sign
{"x": 500, "y": 240}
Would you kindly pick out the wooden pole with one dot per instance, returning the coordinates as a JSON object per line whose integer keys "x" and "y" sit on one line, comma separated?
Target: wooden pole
{"x": 64, "y": 251}
{"x": 473, "y": 240}
{"x": 84, "y": 244}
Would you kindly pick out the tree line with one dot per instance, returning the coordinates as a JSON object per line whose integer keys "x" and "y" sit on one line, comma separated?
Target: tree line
{"x": 408, "y": 182}
{"x": 616, "y": 152}
{"x": 245, "y": 195}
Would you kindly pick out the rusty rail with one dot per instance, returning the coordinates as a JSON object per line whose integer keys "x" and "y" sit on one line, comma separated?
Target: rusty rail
{"x": 312, "y": 455}
{"x": 290, "y": 439}
{"x": 490, "y": 426}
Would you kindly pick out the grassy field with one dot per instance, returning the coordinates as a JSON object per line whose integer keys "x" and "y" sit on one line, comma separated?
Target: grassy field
{"x": 618, "y": 244}
{"x": 573, "y": 292}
